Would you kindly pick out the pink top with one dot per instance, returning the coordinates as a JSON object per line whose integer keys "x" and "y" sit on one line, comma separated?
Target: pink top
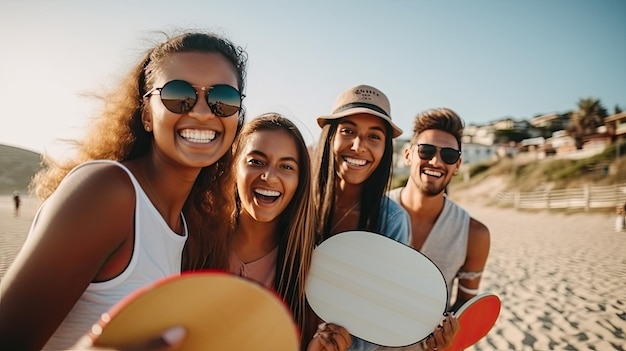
{"x": 262, "y": 270}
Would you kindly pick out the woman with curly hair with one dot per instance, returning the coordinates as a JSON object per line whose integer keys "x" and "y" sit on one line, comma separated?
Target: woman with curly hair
{"x": 145, "y": 183}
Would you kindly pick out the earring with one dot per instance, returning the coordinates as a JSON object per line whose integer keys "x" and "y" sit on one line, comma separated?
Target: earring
{"x": 147, "y": 127}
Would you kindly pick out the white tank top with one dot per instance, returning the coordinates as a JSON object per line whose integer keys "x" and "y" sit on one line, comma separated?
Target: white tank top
{"x": 157, "y": 253}
{"x": 446, "y": 244}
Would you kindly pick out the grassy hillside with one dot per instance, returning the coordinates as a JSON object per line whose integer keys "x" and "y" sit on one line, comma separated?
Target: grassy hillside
{"x": 17, "y": 167}
{"x": 605, "y": 168}
{"x": 515, "y": 174}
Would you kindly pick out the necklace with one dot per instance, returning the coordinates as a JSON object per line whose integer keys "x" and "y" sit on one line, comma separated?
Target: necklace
{"x": 344, "y": 216}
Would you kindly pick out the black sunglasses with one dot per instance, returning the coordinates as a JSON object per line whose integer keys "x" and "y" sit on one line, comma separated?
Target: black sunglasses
{"x": 448, "y": 154}
{"x": 179, "y": 96}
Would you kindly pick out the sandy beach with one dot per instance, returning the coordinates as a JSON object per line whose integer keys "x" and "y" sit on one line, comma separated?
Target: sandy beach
{"x": 561, "y": 277}
{"x": 13, "y": 229}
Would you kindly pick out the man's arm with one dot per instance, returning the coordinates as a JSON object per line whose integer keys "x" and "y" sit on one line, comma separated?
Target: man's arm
{"x": 478, "y": 244}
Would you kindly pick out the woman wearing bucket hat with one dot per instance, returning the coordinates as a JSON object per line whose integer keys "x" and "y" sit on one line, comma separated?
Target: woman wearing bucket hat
{"x": 352, "y": 171}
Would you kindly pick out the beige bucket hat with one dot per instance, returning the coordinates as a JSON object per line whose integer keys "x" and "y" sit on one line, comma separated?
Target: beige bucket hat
{"x": 362, "y": 99}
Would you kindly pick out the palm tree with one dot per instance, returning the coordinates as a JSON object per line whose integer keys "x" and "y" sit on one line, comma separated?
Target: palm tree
{"x": 587, "y": 119}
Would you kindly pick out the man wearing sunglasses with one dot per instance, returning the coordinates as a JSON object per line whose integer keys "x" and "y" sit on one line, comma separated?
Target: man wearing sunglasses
{"x": 443, "y": 231}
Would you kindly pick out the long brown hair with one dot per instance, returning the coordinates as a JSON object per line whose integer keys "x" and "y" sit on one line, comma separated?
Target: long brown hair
{"x": 118, "y": 134}
{"x": 296, "y": 236}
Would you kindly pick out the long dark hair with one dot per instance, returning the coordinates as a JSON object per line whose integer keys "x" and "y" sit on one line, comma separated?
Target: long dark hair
{"x": 325, "y": 183}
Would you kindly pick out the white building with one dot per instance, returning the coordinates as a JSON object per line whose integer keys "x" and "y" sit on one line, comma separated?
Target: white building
{"x": 473, "y": 153}
{"x": 474, "y": 134}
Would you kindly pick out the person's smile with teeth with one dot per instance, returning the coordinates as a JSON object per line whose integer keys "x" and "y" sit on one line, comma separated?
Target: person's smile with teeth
{"x": 355, "y": 161}
{"x": 266, "y": 195}
{"x": 198, "y": 135}
{"x": 432, "y": 173}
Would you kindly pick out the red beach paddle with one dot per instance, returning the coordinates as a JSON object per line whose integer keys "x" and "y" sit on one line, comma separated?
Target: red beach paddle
{"x": 476, "y": 318}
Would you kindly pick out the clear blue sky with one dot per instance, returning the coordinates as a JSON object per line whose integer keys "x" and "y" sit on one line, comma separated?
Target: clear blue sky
{"x": 485, "y": 59}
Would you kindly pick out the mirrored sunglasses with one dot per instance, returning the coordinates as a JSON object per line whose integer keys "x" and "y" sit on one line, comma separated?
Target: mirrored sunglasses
{"x": 179, "y": 96}
{"x": 447, "y": 154}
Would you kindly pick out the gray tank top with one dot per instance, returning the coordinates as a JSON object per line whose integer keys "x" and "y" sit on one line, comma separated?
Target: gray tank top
{"x": 446, "y": 244}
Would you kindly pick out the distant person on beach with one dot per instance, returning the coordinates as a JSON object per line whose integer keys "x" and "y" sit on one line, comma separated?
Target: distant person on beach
{"x": 147, "y": 182}
{"x": 16, "y": 202}
{"x": 351, "y": 172}
{"x": 443, "y": 231}
{"x": 620, "y": 219}
{"x": 275, "y": 234}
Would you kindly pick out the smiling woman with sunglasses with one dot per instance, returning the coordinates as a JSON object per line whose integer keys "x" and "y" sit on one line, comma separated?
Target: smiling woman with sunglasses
{"x": 146, "y": 182}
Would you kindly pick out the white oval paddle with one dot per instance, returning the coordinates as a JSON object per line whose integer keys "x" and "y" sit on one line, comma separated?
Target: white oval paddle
{"x": 380, "y": 290}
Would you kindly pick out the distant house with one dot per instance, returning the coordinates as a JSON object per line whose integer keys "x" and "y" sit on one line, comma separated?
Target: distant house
{"x": 473, "y": 153}
{"x": 564, "y": 145}
{"x": 510, "y": 124}
{"x": 483, "y": 135}
{"x": 507, "y": 150}
{"x": 551, "y": 121}
{"x": 561, "y": 142}
{"x": 531, "y": 144}
{"x": 616, "y": 125}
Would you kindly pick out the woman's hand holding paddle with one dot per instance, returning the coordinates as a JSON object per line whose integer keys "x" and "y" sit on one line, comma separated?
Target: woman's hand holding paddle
{"x": 168, "y": 340}
{"x": 330, "y": 337}
{"x": 442, "y": 337}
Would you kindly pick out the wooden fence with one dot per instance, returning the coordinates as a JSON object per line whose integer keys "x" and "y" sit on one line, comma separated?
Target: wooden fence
{"x": 587, "y": 197}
